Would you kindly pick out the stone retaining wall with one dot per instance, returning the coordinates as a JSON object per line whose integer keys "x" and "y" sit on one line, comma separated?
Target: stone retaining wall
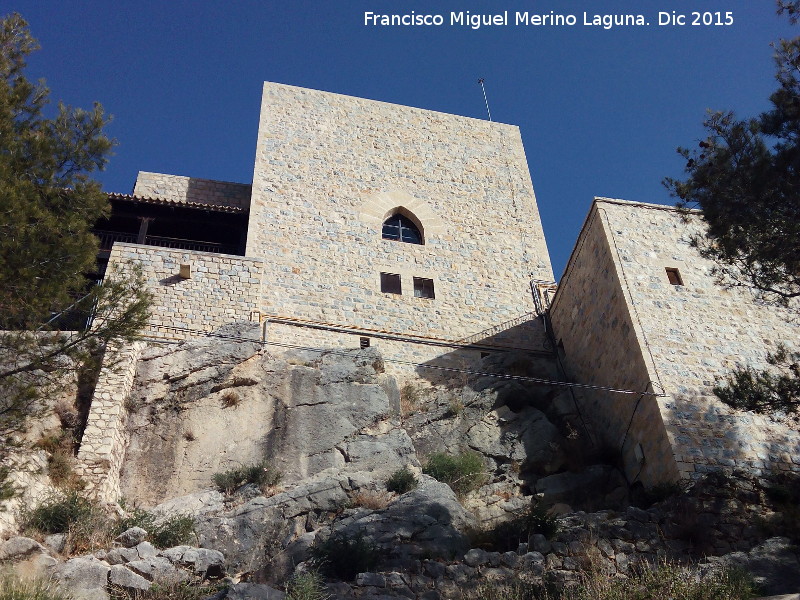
{"x": 102, "y": 448}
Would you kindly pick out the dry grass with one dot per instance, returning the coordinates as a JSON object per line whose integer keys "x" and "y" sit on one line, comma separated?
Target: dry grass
{"x": 371, "y": 499}
{"x": 410, "y": 399}
{"x": 231, "y": 399}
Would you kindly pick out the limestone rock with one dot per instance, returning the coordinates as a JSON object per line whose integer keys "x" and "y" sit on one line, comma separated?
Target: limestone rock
{"x": 127, "y": 579}
{"x": 253, "y": 591}
{"x": 84, "y": 577}
{"x": 526, "y": 437}
{"x": 426, "y": 521}
{"x": 20, "y": 548}
{"x": 157, "y": 569}
{"x": 775, "y": 565}
{"x": 131, "y": 537}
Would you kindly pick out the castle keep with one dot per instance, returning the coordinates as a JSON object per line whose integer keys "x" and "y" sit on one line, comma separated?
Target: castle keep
{"x": 418, "y": 232}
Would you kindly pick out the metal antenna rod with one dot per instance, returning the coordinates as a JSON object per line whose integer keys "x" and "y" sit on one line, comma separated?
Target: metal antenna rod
{"x": 485, "y": 99}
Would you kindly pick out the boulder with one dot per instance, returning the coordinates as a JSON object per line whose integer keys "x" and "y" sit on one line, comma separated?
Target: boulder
{"x": 85, "y": 577}
{"x": 253, "y": 591}
{"x": 19, "y": 548}
{"x": 131, "y": 537}
{"x": 127, "y": 579}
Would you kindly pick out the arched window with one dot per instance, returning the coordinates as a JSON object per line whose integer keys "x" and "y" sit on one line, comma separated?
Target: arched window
{"x": 401, "y": 228}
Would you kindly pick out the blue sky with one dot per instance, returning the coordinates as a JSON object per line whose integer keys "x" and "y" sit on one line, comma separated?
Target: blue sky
{"x": 601, "y": 111}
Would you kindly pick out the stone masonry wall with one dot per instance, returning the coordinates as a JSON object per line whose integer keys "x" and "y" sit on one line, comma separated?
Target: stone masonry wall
{"x": 696, "y": 333}
{"x": 103, "y": 444}
{"x": 599, "y": 345}
{"x": 329, "y": 169}
{"x": 684, "y": 338}
{"x": 222, "y": 288}
{"x": 191, "y": 189}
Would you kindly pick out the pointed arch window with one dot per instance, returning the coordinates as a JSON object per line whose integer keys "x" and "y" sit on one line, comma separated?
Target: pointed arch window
{"x": 402, "y": 229}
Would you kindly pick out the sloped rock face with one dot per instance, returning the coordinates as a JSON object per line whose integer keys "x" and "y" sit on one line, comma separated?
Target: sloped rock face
{"x": 209, "y": 406}
{"x": 336, "y": 427}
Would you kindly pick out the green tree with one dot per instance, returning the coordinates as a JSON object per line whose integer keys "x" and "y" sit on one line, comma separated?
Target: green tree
{"x": 745, "y": 179}
{"x": 48, "y": 204}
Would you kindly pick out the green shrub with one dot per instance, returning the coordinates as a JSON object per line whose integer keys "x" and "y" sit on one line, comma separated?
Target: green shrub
{"x": 402, "y": 481}
{"x": 59, "y": 512}
{"x": 344, "y": 556}
{"x": 7, "y": 490}
{"x": 262, "y": 474}
{"x": 306, "y": 586}
{"x": 463, "y": 472}
{"x": 13, "y": 588}
{"x": 174, "y": 531}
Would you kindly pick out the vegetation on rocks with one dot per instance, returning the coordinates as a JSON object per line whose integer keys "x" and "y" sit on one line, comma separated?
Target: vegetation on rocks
{"x": 463, "y": 472}
{"x": 666, "y": 580}
{"x": 508, "y": 535}
{"x": 174, "y": 530}
{"x": 307, "y": 585}
{"x": 14, "y": 588}
{"x": 262, "y": 474}
{"x": 402, "y": 481}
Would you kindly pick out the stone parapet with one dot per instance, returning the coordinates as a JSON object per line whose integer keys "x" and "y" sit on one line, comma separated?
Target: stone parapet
{"x": 217, "y": 289}
{"x": 190, "y": 189}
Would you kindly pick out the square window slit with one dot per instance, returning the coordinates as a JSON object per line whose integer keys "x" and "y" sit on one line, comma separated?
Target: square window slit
{"x": 390, "y": 283}
{"x": 423, "y": 288}
{"x": 674, "y": 276}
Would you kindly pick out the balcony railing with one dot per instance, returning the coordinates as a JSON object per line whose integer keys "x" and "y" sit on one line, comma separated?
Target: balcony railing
{"x": 107, "y": 239}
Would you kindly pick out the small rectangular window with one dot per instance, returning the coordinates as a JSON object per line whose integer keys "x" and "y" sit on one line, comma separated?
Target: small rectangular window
{"x": 390, "y": 283}
{"x": 423, "y": 288}
{"x": 674, "y": 276}
{"x": 364, "y": 342}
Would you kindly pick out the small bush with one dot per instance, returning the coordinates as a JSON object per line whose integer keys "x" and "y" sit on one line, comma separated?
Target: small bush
{"x": 166, "y": 591}
{"x": 410, "y": 398}
{"x": 402, "y": 481}
{"x": 306, "y": 586}
{"x": 13, "y": 588}
{"x": 87, "y": 526}
{"x": 462, "y": 472}
{"x": 7, "y": 489}
{"x": 664, "y": 491}
{"x": 667, "y": 580}
{"x": 343, "y": 556}
{"x": 57, "y": 513}
{"x": 262, "y": 474}
{"x": 174, "y": 531}
{"x": 230, "y": 399}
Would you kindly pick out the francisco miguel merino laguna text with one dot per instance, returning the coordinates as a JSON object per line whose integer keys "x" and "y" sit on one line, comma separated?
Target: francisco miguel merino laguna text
{"x": 476, "y": 21}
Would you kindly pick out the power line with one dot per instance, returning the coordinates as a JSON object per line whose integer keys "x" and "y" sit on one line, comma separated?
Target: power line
{"x": 538, "y": 380}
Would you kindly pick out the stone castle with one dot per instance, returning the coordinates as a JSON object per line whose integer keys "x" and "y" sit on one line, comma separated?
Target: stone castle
{"x": 417, "y": 232}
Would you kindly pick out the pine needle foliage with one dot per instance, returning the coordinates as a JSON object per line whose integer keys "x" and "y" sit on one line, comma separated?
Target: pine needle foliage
{"x": 48, "y": 205}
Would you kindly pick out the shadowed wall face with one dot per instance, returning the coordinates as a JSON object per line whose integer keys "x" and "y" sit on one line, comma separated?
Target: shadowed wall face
{"x": 689, "y": 333}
